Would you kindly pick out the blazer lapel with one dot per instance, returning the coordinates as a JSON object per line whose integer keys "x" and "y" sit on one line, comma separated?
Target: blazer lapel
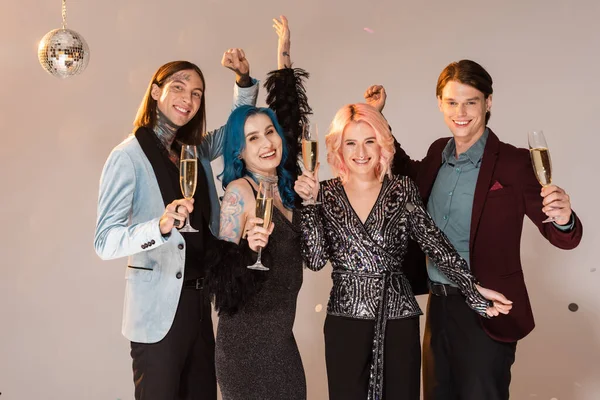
{"x": 488, "y": 163}
{"x": 147, "y": 140}
{"x": 202, "y": 195}
{"x": 169, "y": 185}
{"x": 428, "y": 174}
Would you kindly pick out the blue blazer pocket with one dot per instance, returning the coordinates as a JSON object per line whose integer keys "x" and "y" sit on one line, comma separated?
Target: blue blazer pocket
{"x": 139, "y": 274}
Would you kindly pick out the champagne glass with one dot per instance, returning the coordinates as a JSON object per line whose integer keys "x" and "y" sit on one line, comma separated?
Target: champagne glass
{"x": 310, "y": 152}
{"x": 540, "y": 158}
{"x": 188, "y": 177}
{"x": 264, "y": 210}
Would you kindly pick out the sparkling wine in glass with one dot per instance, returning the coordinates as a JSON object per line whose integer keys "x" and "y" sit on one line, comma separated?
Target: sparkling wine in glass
{"x": 310, "y": 152}
{"x": 188, "y": 177}
{"x": 264, "y": 210}
{"x": 540, "y": 158}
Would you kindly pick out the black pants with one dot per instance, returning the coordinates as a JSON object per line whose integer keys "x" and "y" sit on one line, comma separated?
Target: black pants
{"x": 460, "y": 361}
{"x": 348, "y": 354}
{"x": 182, "y": 365}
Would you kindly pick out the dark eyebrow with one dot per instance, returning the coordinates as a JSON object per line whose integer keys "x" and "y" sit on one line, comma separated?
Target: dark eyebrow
{"x": 255, "y": 132}
{"x": 183, "y": 83}
{"x": 471, "y": 99}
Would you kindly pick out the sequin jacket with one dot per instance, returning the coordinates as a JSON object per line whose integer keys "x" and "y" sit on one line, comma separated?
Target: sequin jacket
{"x": 368, "y": 282}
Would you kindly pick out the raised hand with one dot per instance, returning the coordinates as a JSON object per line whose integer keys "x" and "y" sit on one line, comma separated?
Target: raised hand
{"x": 307, "y": 184}
{"x": 557, "y": 204}
{"x": 283, "y": 45}
{"x": 282, "y": 28}
{"x": 235, "y": 60}
{"x": 375, "y": 96}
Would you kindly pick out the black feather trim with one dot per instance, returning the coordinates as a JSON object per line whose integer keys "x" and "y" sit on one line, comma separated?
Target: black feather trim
{"x": 286, "y": 96}
{"x": 229, "y": 282}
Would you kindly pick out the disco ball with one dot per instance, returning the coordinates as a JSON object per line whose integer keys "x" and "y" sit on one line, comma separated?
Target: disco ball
{"x": 63, "y": 53}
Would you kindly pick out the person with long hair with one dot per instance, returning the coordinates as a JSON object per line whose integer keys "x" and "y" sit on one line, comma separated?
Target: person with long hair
{"x": 362, "y": 226}
{"x": 257, "y": 357}
{"x": 167, "y": 315}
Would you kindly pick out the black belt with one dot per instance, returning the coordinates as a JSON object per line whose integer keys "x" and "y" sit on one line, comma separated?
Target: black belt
{"x": 440, "y": 289}
{"x": 195, "y": 284}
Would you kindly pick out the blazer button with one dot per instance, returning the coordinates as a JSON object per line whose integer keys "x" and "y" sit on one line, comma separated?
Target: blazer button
{"x": 180, "y": 246}
{"x": 152, "y": 242}
{"x": 144, "y": 246}
{"x": 178, "y": 275}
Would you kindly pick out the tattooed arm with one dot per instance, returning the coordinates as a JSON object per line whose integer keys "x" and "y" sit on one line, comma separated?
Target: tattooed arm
{"x": 237, "y": 217}
{"x": 233, "y": 210}
{"x": 283, "y": 45}
{"x": 228, "y": 280}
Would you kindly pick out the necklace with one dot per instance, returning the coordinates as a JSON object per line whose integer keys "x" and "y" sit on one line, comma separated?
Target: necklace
{"x": 263, "y": 178}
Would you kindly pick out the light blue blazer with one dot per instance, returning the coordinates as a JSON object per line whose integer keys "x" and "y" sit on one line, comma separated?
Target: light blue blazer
{"x": 129, "y": 209}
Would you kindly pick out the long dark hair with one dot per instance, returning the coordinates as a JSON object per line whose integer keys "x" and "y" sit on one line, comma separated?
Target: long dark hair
{"x": 190, "y": 133}
{"x": 469, "y": 73}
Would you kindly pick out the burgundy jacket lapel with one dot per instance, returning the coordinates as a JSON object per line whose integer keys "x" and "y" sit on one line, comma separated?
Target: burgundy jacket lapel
{"x": 488, "y": 164}
{"x": 431, "y": 163}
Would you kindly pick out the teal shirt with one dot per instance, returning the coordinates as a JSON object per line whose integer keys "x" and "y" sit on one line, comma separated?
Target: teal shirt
{"x": 451, "y": 200}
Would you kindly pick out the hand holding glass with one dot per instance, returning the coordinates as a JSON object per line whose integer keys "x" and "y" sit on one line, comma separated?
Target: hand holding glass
{"x": 188, "y": 177}
{"x": 540, "y": 158}
{"x": 264, "y": 210}
{"x": 310, "y": 152}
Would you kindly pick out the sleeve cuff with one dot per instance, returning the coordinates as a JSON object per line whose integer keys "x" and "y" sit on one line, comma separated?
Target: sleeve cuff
{"x": 568, "y": 227}
{"x": 245, "y": 95}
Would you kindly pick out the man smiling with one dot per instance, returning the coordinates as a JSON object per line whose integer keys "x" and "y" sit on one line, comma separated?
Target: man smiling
{"x": 478, "y": 191}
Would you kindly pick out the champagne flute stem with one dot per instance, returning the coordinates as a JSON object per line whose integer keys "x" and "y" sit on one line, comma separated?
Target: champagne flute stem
{"x": 259, "y": 254}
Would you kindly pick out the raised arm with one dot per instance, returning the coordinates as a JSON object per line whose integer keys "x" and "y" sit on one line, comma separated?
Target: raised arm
{"x": 555, "y": 202}
{"x": 245, "y": 92}
{"x": 283, "y": 44}
{"x": 402, "y": 164}
{"x": 286, "y": 95}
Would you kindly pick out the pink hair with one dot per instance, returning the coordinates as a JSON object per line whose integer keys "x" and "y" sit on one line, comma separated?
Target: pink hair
{"x": 359, "y": 113}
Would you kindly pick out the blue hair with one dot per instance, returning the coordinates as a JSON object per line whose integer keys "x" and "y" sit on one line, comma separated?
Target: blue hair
{"x": 235, "y": 142}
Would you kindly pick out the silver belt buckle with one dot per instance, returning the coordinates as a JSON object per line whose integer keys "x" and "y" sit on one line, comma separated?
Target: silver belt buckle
{"x": 445, "y": 292}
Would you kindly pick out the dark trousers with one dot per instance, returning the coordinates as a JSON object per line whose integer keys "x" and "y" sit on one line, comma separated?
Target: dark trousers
{"x": 348, "y": 354}
{"x": 182, "y": 365}
{"x": 460, "y": 361}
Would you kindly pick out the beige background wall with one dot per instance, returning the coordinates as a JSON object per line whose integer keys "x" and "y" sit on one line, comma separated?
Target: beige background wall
{"x": 60, "y": 306}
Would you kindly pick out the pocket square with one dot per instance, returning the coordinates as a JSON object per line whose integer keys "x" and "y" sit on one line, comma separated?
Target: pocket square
{"x": 496, "y": 186}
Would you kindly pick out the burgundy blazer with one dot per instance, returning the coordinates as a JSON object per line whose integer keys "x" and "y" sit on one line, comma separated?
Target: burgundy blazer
{"x": 506, "y": 191}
